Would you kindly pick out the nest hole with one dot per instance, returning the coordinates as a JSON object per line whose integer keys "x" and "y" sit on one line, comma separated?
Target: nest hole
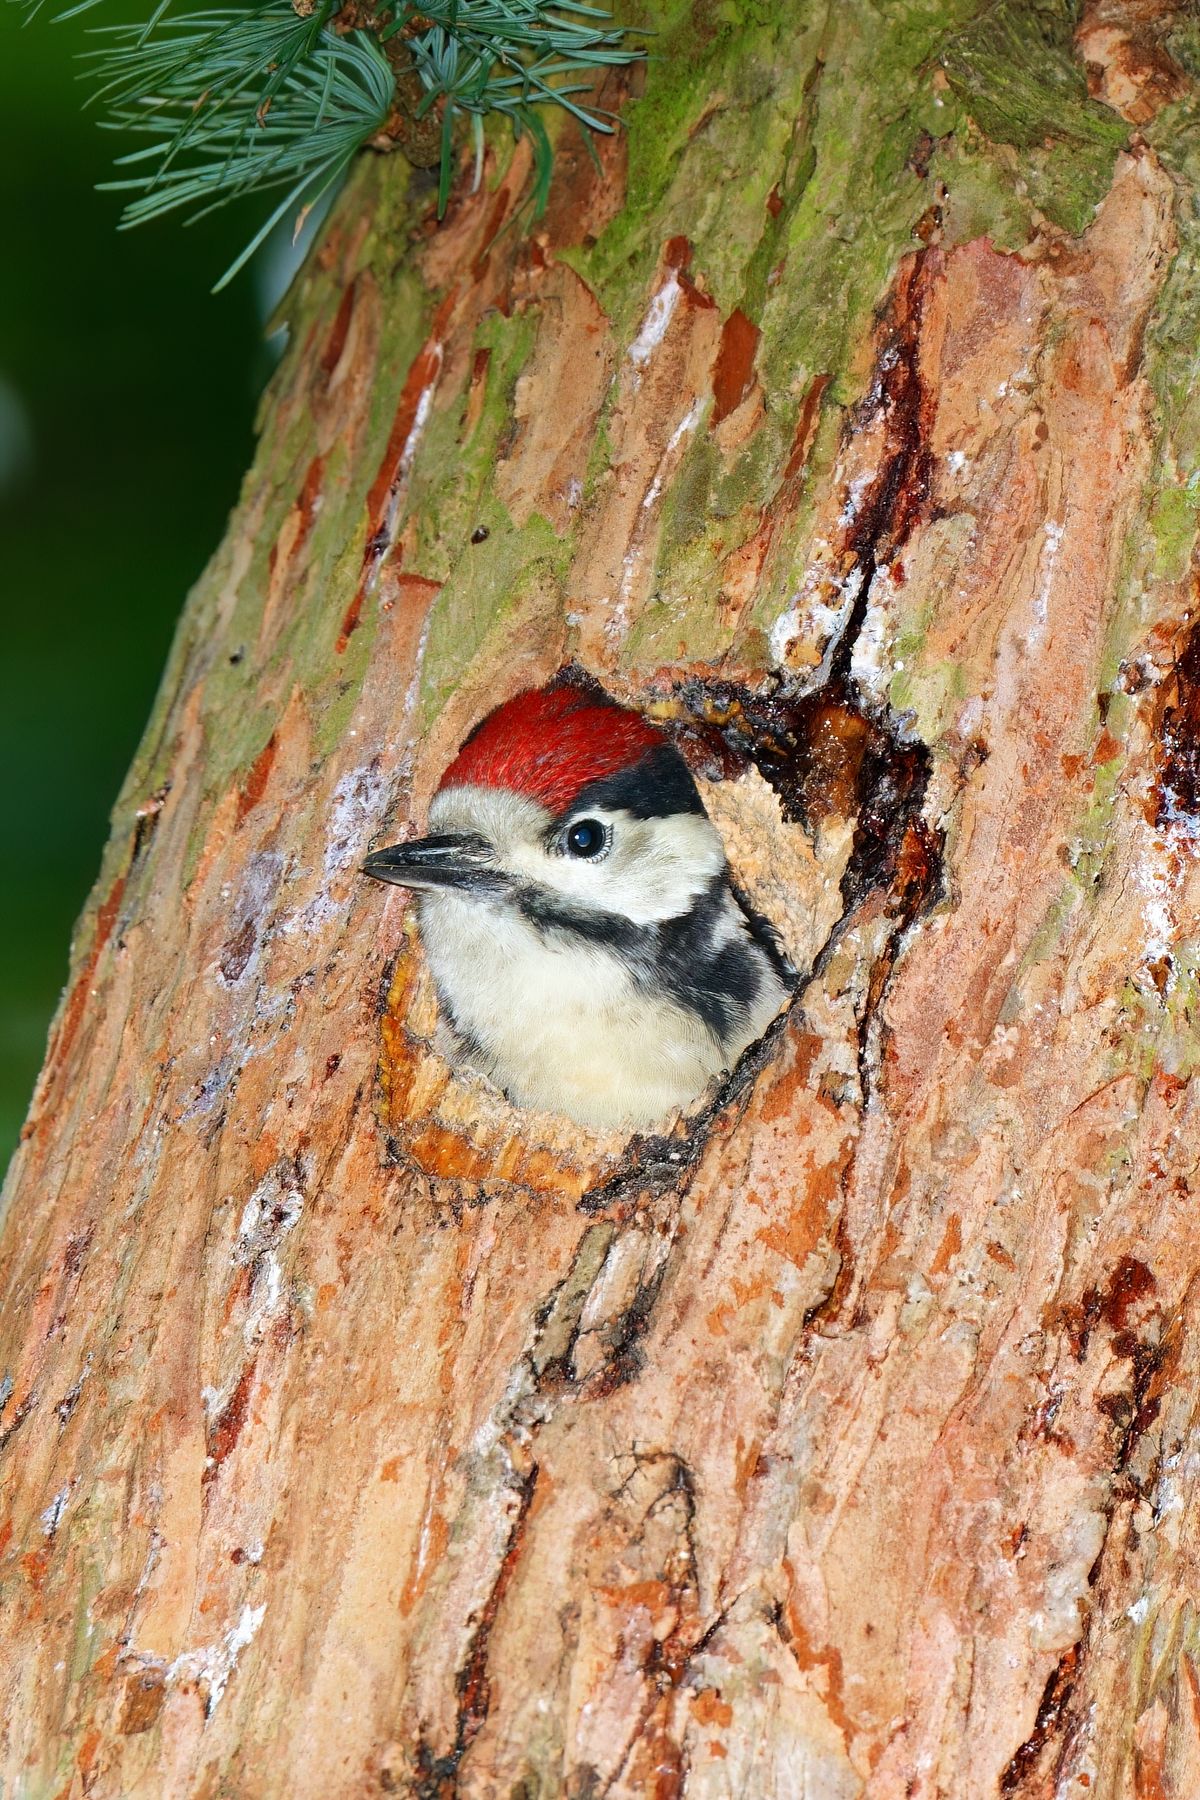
{"x": 819, "y": 803}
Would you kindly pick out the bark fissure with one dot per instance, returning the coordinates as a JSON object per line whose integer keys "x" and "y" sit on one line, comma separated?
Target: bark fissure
{"x": 1051, "y": 1722}
{"x": 439, "y": 1774}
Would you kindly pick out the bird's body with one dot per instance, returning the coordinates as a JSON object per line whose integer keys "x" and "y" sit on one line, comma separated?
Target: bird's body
{"x": 588, "y": 949}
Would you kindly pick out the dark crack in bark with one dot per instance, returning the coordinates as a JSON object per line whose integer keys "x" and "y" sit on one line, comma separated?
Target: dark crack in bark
{"x": 669, "y": 1659}
{"x": 438, "y": 1776}
{"x": 1177, "y": 800}
{"x": 1048, "y": 1725}
{"x": 1039, "y": 1762}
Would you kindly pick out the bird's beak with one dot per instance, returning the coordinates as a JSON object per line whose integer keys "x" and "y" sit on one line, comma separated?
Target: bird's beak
{"x": 457, "y": 859}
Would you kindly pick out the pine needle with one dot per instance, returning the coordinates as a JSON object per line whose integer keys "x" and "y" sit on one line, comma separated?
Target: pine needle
{"x": 240, "y": 99}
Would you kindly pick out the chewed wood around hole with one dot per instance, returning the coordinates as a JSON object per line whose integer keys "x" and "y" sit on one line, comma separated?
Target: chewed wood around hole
{"x": 454, "y": 1125}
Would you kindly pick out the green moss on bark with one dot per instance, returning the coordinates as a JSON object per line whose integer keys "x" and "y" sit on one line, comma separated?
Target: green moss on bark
{"x": 1015, "y": 70}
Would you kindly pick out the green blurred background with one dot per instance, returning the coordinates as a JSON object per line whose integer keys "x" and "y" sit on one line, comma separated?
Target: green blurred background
{"x": 127, "y": 392}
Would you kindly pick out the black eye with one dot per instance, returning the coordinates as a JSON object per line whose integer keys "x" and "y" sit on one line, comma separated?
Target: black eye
{"x": 587, "y": 837}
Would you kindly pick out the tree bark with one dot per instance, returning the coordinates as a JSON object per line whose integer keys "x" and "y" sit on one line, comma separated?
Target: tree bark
{"x": 363, "y": 1434}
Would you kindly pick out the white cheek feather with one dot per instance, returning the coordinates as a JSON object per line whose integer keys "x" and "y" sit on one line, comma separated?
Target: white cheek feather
{"x": 654, "y": 870}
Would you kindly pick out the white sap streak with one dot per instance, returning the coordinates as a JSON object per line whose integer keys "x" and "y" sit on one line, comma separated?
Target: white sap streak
{"x": 868, "y": 664}
{"x": 247, "y": 1226}
{"x": 266, "y": 1290}
{"x": 685, "y": 427}
{"x": 408, "y": 452}
{"x": 414, "y": 686}
{"x": 356, "y": 813}
{"x": 819, "y": 607}
{"x": 654, "y": 326}
{"x": 1152, "y": 875}
{"x": 268, "y": 1215}
{"x": 212, "y": 1667}
{"x": 52, "y": 1516}
{"x": 421, "y": 417}
{"x": 1041, "y": 605}
{"x": 854, "y": 498}
{"x": 358, "y": 801}
{"x": 619, "y": 618}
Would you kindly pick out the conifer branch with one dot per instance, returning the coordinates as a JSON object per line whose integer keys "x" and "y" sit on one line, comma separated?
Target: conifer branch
{"x": 283, "y": 93}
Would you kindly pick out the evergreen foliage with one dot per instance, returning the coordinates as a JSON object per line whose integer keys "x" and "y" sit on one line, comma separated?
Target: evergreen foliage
{"x": 283, "y": 93}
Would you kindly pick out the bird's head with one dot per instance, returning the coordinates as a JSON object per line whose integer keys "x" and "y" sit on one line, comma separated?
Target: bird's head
{"x": 569, "y": 805}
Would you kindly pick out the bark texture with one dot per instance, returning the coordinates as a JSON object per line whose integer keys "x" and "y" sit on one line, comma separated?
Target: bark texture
{"x": 361, "y": 1434}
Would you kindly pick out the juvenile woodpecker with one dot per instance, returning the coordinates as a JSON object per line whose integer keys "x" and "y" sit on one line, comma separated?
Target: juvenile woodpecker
{"x": 589, "y": 950}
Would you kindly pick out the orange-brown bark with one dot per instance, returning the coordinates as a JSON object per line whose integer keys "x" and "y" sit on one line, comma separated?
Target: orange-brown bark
{"x": 362, "y": 1434}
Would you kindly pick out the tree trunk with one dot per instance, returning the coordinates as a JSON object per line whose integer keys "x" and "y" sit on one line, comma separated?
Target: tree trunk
{"x": 362, "y": 1434}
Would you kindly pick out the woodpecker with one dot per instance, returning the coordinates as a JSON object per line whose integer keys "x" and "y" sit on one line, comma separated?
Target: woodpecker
{"x": 590, "y": 951}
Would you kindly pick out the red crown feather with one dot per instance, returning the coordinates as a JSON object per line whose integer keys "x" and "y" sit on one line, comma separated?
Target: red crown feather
{"x": 549, "y": 744}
